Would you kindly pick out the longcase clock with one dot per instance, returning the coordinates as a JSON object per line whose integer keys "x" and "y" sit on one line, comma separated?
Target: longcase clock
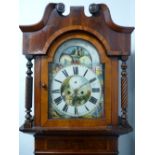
{"x": 76, "y": 74}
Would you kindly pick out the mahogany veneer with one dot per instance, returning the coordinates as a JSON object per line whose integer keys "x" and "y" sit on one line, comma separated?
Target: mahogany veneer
{"x": 40, "y": 41}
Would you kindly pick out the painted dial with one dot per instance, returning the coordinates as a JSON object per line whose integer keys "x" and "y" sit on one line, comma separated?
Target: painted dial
{"x": 76, "y": 91}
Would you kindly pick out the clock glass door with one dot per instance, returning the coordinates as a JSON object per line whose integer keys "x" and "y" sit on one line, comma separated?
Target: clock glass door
{"x": 76, "y": 81}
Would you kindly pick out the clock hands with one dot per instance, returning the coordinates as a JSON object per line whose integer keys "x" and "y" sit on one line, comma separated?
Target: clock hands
{"x": 82, "y": 85}
{"x": 90, "y": 81}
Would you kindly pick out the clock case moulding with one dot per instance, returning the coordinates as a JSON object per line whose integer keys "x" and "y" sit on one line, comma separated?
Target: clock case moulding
{"x": 38, "y": 38}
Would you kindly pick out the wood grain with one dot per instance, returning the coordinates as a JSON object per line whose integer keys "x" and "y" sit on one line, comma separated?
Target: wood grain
{"x": 35, "y": 36}
{"x": 113, "y": 43}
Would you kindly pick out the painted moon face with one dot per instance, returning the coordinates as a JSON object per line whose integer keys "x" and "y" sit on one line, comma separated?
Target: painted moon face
{"x": 85, "y": 60}
{"x": 65, "y": 60}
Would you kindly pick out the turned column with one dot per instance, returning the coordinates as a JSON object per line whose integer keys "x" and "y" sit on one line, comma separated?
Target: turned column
{"x": 124, "y": 90}
{"x": 28, "y": 92}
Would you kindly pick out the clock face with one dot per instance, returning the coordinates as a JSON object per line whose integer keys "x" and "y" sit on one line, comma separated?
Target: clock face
{"x": 76, "y": 91}
{"x": 76, "y": 80}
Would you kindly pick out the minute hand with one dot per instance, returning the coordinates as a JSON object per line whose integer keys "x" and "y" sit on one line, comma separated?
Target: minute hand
{"x": 90, "y": 81}
{"x": 82, "y": 85}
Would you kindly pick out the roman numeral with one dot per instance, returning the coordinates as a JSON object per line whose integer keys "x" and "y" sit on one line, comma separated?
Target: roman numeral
{"x": 75, "y": 70}
{"x": 92, "y": 80}
{"x": 93, "y": 100}
{"x": 58, "y": 100}
{"x": 56, "y": 91}
{"x": 58, "y": 81}
{"x": 86, "y": 108}
{"x": 95, "y": 90}
{"x": 75, "y": 110}
{"x": 65, "y": 108}
{"x": 65, "y": 73}
{"x": 85, "y": 72}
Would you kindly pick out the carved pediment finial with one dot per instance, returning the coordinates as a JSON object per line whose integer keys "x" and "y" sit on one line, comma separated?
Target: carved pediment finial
{"x": 93, "y": 8}
{"x": 60, "y": 8}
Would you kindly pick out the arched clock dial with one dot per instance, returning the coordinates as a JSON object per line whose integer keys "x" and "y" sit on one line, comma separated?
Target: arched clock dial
{"x": 76, "y": 91}
{"x": 76, "y": 81}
